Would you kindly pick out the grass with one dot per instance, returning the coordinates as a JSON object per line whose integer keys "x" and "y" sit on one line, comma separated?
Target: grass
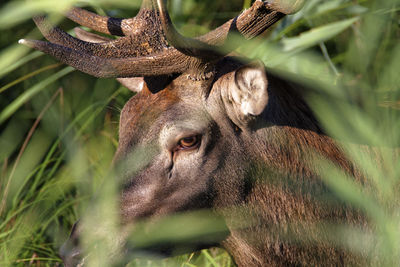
{"x": 58, "y": 127}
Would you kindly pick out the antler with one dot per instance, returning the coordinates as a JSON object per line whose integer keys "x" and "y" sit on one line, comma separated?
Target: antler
{"x": 150, "y": 45}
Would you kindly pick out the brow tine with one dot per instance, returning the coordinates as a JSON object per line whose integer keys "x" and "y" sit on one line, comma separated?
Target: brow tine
{"x": 160, "y": 64}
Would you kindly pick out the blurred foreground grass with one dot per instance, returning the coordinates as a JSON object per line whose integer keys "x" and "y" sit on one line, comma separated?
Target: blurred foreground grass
{"x": 58, "y": 127}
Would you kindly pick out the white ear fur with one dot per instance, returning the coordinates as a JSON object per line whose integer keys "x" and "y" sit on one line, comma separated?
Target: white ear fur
{"x": 251, "y": 91}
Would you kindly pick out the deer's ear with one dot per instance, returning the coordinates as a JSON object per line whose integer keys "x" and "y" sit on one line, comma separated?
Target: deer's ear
{"x": 250, "y": 93}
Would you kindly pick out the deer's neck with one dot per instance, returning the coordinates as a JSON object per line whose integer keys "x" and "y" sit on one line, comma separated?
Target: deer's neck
{"x": 288, "y": 197}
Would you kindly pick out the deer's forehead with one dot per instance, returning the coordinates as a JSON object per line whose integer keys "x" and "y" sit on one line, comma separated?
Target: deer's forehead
{"x": 145, "y": 107}
{"x": 180, "y": 92}
{"x": 145, "y": 114}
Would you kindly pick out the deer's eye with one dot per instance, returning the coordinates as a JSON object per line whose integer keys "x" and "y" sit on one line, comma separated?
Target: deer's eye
{"x": 189, "y": 142}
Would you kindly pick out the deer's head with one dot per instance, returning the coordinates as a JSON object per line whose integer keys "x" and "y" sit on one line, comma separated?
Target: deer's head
{"x": 196, "y": 108}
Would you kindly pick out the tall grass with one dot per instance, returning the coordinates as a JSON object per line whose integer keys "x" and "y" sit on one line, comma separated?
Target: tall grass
{"x": 58, "y": 127}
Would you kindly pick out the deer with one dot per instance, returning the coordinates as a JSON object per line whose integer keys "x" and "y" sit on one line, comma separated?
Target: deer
{"x": 225, "y": 134}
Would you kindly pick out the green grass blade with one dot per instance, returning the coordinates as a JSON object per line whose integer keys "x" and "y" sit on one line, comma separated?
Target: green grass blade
{"x": 316, "y": 35}
{"x": 31, "y": 92}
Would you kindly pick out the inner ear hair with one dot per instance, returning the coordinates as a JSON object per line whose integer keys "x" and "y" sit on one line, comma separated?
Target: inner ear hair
{"x": 251, "y": 92}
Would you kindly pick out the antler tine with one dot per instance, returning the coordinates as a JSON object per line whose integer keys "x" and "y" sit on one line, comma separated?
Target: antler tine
{"x": 188, "y": 46}
{"x": 90, "y": 37}
{"x": 107, "y": 25}
{"x": 255, "y": 20}
{"x": 161, "y": 64}
{"x": 104, "y": 24}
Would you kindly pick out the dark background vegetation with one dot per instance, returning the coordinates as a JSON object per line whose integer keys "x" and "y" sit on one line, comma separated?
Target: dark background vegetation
{"x": 58, "y": 127}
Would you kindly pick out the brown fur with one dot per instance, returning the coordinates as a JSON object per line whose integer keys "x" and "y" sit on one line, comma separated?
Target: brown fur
{"x": 268, "y": 186}
{"x": 261, "y": 174}
{"x": 292, "y": 212}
